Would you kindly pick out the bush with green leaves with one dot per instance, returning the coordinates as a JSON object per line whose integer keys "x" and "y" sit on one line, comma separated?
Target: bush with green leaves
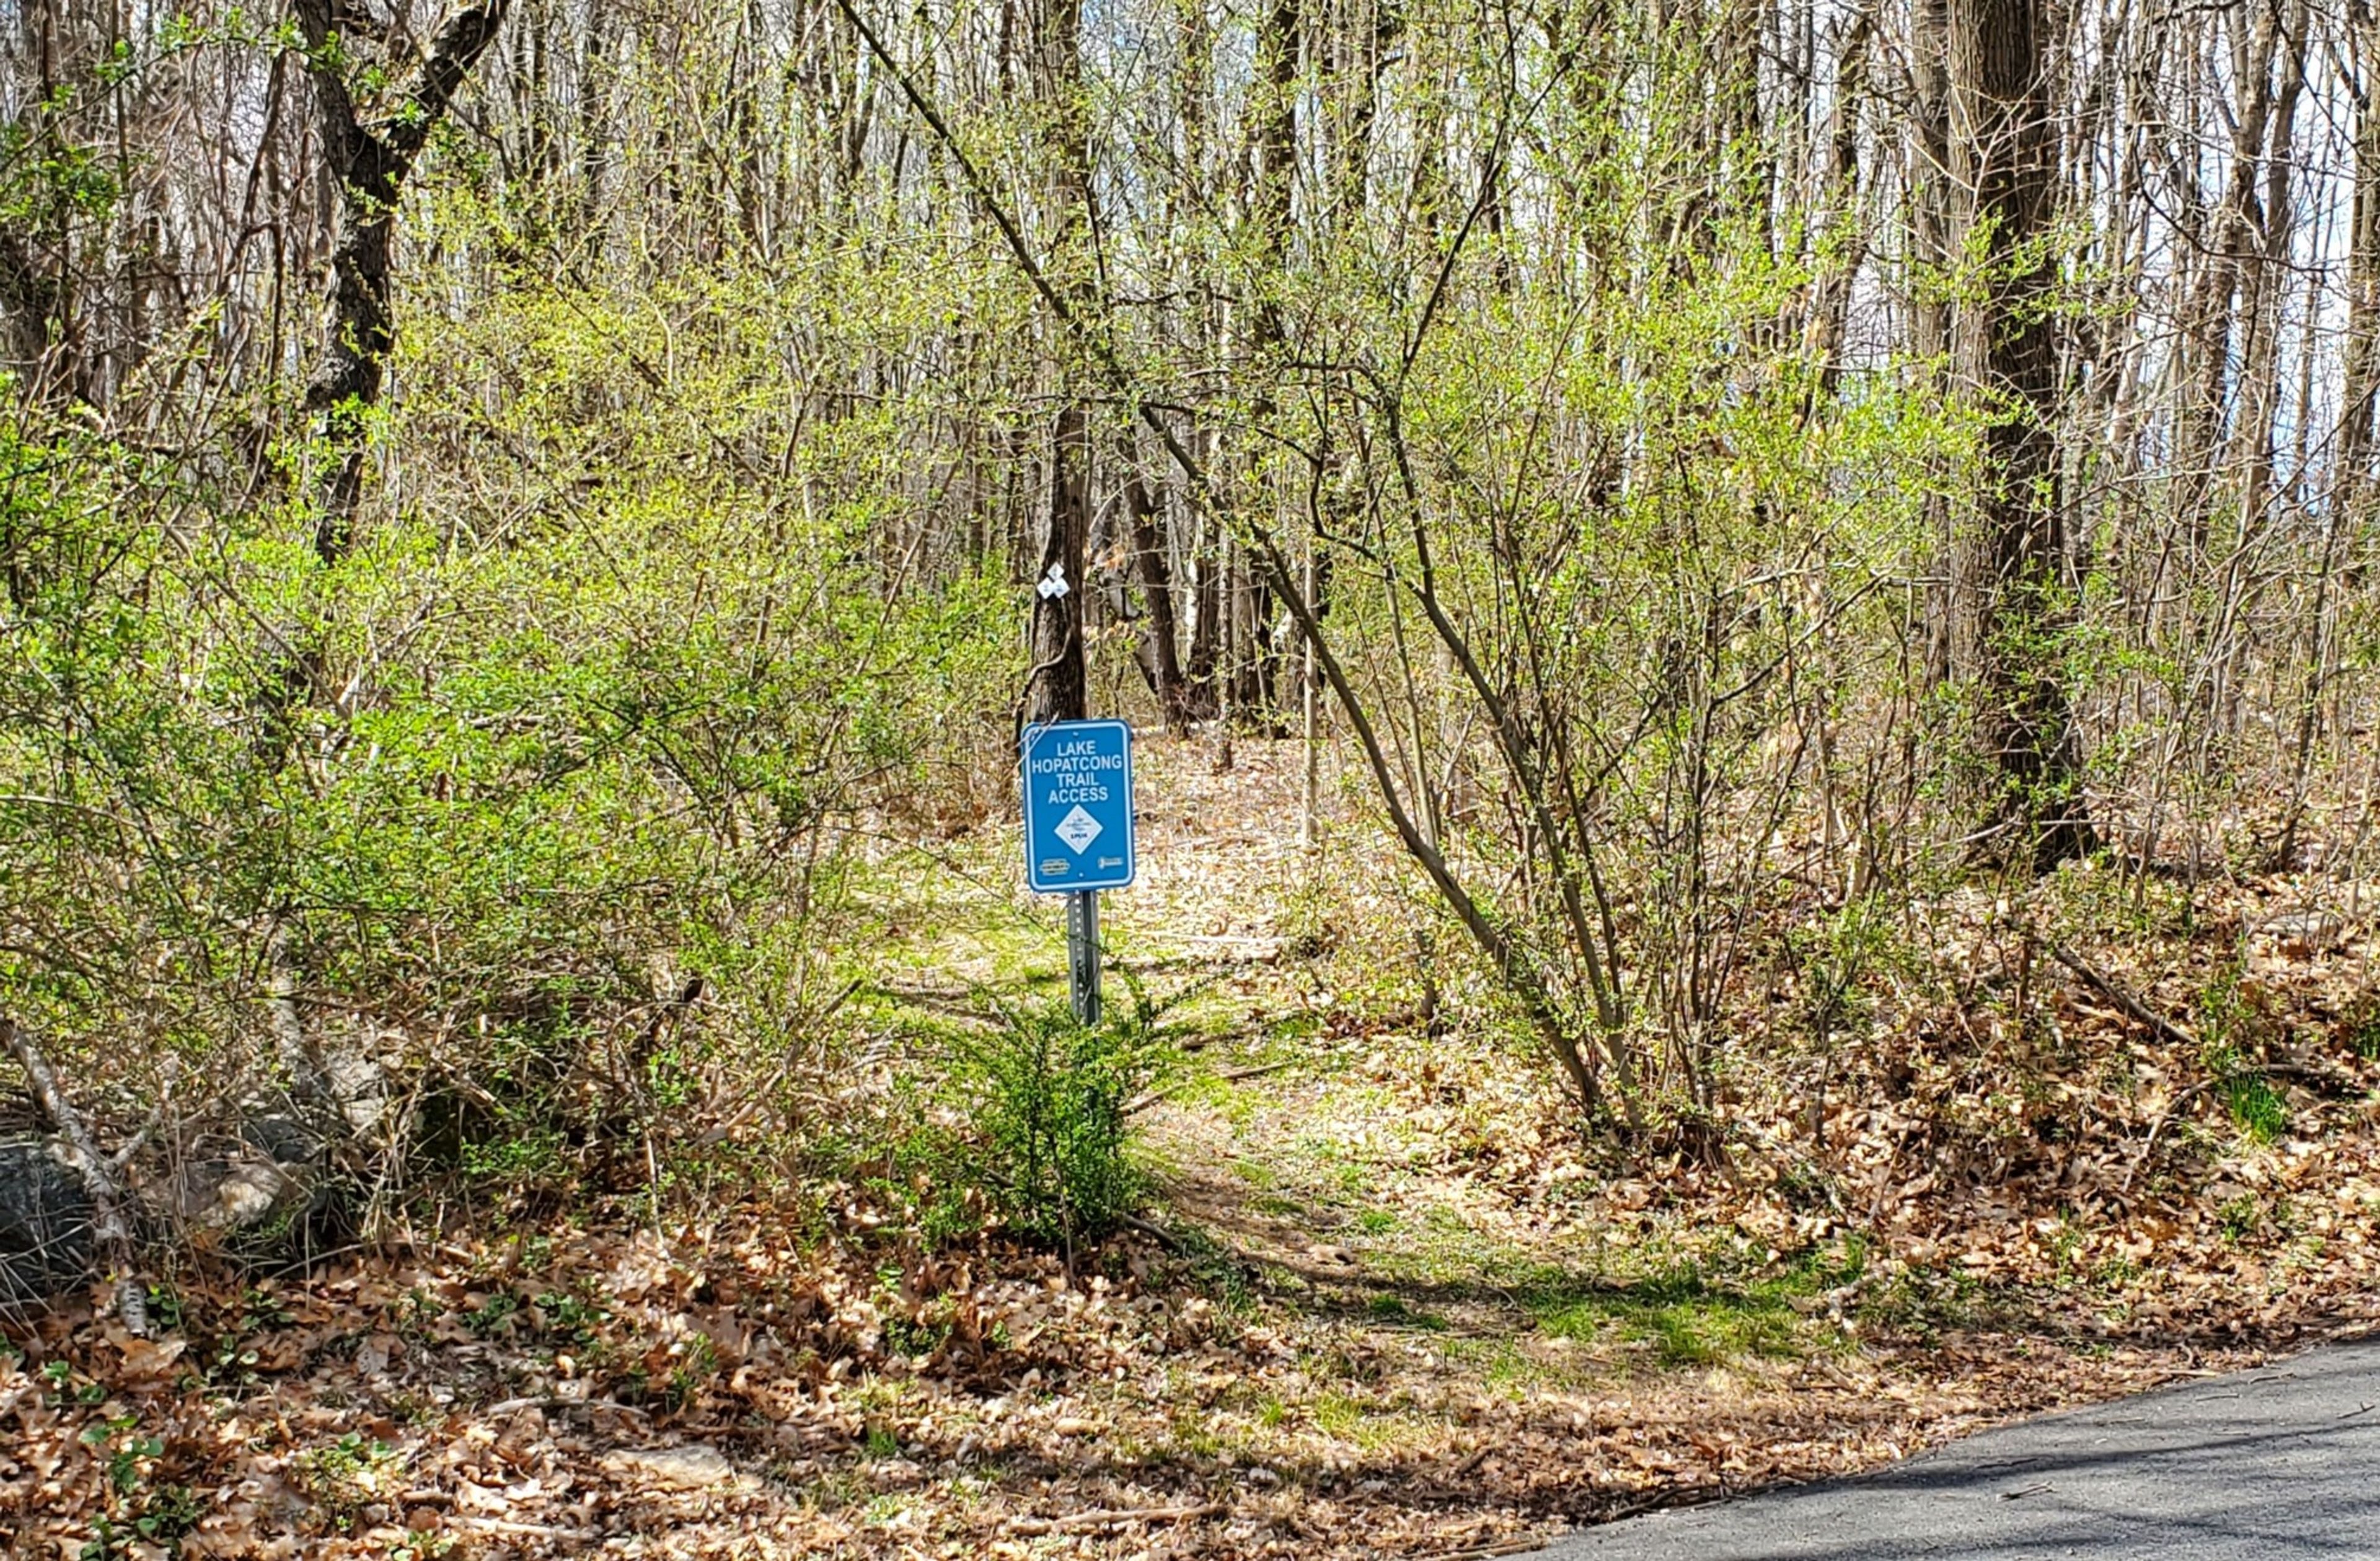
{"x": 1048, "y": 1106}
{"x": 484, "y": 800}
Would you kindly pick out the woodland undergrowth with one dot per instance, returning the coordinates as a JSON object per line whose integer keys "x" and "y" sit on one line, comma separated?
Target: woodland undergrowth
{"x": 1365, "y": 1289}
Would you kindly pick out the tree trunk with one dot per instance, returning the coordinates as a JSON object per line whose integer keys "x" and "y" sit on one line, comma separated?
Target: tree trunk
{"x": 2224, "y": 293}
{"x": 1057, "y": 686}
{"x": 1161, "y": 647}
{"x": 369, "y": 161}
{"x": 1933, "y": 206}
{"x": 2006, "y": 153}
{"x": 1830, "y": 305}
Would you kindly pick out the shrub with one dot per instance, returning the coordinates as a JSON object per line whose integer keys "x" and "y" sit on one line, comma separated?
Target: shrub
{"x": 1048, "y": 1106}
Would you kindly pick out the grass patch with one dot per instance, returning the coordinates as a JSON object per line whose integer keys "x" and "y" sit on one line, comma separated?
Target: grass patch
{"x": 1687, "y": 1316}
{"x": 1390, "y": 1311}
{"x": 1335, "y": 1414}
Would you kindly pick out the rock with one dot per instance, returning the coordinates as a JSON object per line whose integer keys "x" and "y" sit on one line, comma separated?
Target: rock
{"x": 361, "y": 1082}
{"x": 254, "y": 1193}
{"x": 2304, "y": 932}
{"x": 44, "y": 1222}
{"x": 689, "y": 1468}
{"x": 240, "y": 1195}
{"x": 283, "y": 1139}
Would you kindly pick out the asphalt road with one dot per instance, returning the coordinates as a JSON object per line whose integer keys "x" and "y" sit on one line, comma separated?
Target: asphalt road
{"x": 2283, "y": 1461}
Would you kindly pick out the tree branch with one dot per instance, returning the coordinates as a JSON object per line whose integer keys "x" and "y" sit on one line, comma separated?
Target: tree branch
{"x": 452, "y": 55}
{"x": 111, "y": 1230}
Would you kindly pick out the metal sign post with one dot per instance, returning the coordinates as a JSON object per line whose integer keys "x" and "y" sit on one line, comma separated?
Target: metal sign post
{"x": 1078, "y": 833}
{"x": 1083, "y": 954}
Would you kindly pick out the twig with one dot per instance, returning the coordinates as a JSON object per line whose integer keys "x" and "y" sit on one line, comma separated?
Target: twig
{"x": 1473, "y": 1459}
{"x": 2329, "y": 1078}
{"x": 1109, "y": 1517}
{"x": 2122, "y": 997}
{"x": 1156, "y": 1233}
{"x": 754, "y": 1097}
{"x": 2176, "y": 1033}
{"x": 1231, "y": 1076}
{"x": 1502, "y": 1547}
{"x": 309, "y": 1077}
{"x": 109, "y": 1226}
{"x": 2149, "y": 1148}
{"x": 551, "y": 1401}
{"x": 526, "y": 1531}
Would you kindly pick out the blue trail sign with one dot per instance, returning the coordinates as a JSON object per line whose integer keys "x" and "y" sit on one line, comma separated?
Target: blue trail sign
{"x": 1078, "y": 806}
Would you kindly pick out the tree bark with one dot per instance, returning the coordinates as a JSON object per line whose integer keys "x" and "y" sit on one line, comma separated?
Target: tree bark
{"x": 1252, "y": 663}
{"x": 2006, "y": 153}
{"x": 1162, "y": 644}
{"x": 1057, "y": 685}
{"x": 102, "y": 1181}
{"x": 369, "y": 159}
{"x": 1934, "y": 207}
{"x": 1830, "y": 305}
{"x": 2225, "y": 290}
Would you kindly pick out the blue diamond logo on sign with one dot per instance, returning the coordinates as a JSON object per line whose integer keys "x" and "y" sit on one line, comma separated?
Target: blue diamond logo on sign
{"x": 1077, "y": 806}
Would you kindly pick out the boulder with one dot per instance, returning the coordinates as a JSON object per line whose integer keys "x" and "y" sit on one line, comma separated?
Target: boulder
{"x": 45, "y": 1217}
{"x": 284, "y": 1139}
{"x": 244, "y": 1195}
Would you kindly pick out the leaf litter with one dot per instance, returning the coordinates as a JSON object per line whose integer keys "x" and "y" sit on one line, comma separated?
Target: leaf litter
{"x": 1387, "y": 1304}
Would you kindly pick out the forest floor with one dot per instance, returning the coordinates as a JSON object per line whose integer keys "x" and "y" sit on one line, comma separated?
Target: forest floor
{"x": 1385, "y": 1302}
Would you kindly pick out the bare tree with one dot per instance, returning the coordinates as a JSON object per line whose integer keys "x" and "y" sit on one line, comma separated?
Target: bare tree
{"x": 369, "y": 150}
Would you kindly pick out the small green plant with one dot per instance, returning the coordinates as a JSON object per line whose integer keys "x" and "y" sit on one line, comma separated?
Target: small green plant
{"x": 2362, "y": 1027}
{"x": 912, "y": 1330}
{"x": 533, "y": 1152}
{"x": 2257, "y": 1108}
{"x": 2240, "y": 1217}
{"x": 2226, "y": 1017}
{"x": 1337, "y": 1415}
{"x": 2066, "y": 1243}
{"x": 1835, "y": 955}
{"x": 65, "y": 1387}
{"x": 346, "y": 1475}
{"x": 569, "y": 1319}
{"x": 166, "y": 1310}
{"x": 2223, "y": 1009}
{"x": 1393, "y": 1310}
{"x": 2114, "y": 1275}
{"x": 1692, "y": 1313}
{"x": 1216, "y": 1270}
{"x": 228, "y": 1358}
{"x": 492, "y": 1314}
{"x": 143, "y": 1513}
{"x": 1048, "y": 1101}
{"x": 698, "y": 1364}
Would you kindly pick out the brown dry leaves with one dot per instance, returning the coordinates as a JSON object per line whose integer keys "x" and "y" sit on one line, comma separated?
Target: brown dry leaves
{"x": 2054, "y": 1207}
